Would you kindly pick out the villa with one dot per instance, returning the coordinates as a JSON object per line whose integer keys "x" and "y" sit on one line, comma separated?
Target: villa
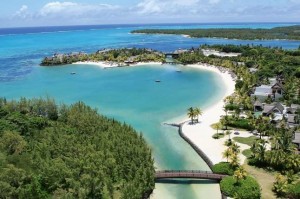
{"x": 278, "y": 112}
{"x": 274, "y": 90}
{"x": 258, "y": 106}
{"x": 263, "y": 92}
{"x": 274, "y": 108}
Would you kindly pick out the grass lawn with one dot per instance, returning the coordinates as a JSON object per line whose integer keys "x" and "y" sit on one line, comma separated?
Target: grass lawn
{"x": 218, "y": 136}
{"x": 265, "y": 180}
{"x": 249, "y": 140}
{"x": 247, "y": 153}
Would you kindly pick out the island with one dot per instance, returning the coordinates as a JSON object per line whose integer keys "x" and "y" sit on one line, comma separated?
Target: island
{"x": 288, "y": 33}
{"x": 120, "y": 57}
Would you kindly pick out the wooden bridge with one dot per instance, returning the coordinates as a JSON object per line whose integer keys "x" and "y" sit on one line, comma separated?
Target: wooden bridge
{"x": 172, "y": 54}
{"x": 196, "y": 174}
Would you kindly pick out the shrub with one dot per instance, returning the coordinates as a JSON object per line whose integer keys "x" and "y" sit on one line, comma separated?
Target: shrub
{"x": 218, "y": 135}
{"x": 223, "y": 168}
{"x": 232, "y": 107}
{"x": 240, "y": 123}
{"x": 246, "y": 189}
{"x": 294, "y": 191}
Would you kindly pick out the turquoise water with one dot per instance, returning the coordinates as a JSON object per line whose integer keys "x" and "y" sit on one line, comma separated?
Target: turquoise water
{"x": 132, "y": 95}
{"x": 127, "y": 94}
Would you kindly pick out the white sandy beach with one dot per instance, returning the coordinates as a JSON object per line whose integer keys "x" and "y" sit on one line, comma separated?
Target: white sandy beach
{"x": 104, "y": 65}
{"x": 101, "y": 64}
{"x": 201, "y": 133}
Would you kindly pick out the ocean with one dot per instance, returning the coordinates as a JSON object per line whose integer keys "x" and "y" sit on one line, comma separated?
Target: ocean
{"x": 127, "y": 94}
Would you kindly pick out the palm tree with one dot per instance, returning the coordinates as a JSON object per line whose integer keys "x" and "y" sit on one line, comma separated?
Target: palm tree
{"x": 197, "y": 112}
{"x": 227, "y": 153}
{"x": 234, "y": 160}
{"x": 240, "y": 174}
{"x": 235, "y": 148}
{"x": 191, "y": 114}
{"x": 259, "y": 149}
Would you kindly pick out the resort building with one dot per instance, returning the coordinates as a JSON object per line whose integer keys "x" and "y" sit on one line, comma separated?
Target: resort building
{"x": 258, "y": 106}
{"x": 274, "y": 108}
{"x": 263, "y": 92}
{"x": 274, "y": 90}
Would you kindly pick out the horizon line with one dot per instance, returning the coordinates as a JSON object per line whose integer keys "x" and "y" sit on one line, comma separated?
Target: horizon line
{"x": 137, "y": 24}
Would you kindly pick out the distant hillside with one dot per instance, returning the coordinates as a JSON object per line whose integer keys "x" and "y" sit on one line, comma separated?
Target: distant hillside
{"x": 289, "y": 33}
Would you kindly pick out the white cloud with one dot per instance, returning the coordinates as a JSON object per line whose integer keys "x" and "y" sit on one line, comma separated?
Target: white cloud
{"x": 214, "y": 1}
{"x": 166, "y": 6}
{"x": 153, "y": 11}
{"x": 70, "y": 9}
{"x": 22, "y": 12}
{"x": 150, "y": 6}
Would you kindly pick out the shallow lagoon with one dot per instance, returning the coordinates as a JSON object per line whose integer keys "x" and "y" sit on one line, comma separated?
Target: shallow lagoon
{"x": 132, "y": 95}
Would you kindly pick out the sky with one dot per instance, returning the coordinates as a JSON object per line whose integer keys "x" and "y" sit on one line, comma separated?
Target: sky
{"x": 23, "y": 13}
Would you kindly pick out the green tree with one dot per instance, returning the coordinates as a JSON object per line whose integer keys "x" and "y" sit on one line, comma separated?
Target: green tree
{"x": 240, "y": 174}
{"x": 191, "y": 114}
{"x": 197, "y": 112}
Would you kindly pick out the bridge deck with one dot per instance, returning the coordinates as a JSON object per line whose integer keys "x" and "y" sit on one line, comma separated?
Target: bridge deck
{"x": 188, "y": 174}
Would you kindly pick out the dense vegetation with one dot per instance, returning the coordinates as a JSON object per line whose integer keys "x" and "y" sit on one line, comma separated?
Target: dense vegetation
{"x": 246, "y": 188}
{"x": 223, "y": 168}
{"x": 238, "y": 184}
{"x": 269, "y": 62}
{"x": 290, "y": 32}
{"x": 282, "y": 155}
{"x": 50, "y": 151}
{"x": 120, "y": 56}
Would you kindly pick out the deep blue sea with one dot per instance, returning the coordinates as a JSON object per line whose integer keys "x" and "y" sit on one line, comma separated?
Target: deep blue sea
{"x": 127, "y": 94}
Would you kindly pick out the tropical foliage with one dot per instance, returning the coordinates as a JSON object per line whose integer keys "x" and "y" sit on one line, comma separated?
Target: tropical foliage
{"x": 282, "y": 155}
{"x": 246, "y": 188}
{"x": 223, "y": 168}
{"x": 119, "y": 56}
{"x": 51, "y": 151}
{"x": 290, "y": 32}
{"x": 193, "y": 113}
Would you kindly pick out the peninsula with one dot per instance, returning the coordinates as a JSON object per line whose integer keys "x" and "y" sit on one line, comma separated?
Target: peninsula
{"x": 288, "y": 33}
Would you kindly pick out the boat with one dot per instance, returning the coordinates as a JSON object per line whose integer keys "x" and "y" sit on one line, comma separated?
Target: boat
{"x": 178, "y": 71}
{"x": 72, "y": 73}
{"x": 157, "y": 80}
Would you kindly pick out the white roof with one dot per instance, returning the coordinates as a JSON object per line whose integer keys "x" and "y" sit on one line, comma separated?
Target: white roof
{"x": 263, "y": 90}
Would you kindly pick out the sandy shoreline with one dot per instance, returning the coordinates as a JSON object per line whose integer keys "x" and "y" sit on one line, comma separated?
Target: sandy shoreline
{"x": 201, "y": 133}
{"x": 105, "y": 65}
